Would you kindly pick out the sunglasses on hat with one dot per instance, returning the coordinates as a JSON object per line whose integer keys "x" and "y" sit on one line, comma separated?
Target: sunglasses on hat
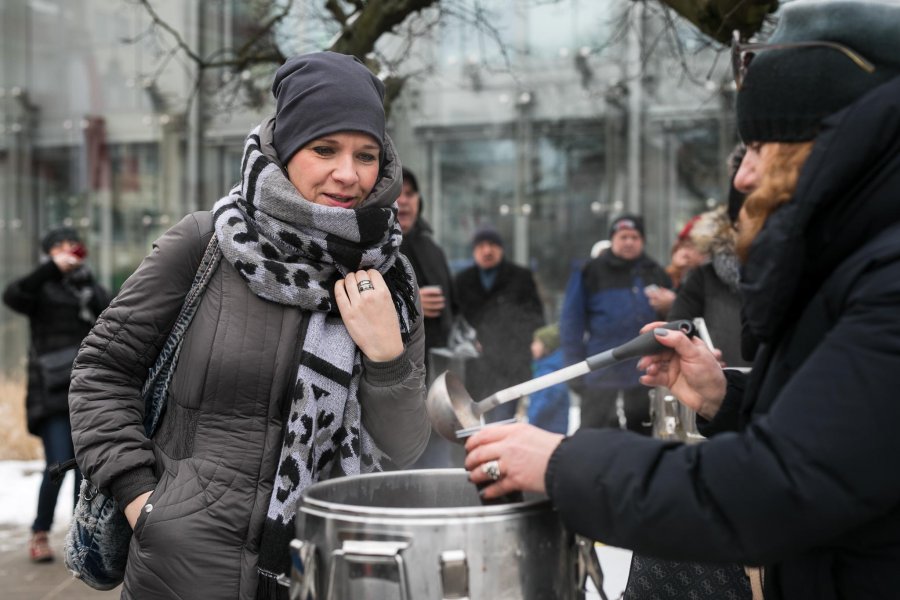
{"x": 742, "y": 54}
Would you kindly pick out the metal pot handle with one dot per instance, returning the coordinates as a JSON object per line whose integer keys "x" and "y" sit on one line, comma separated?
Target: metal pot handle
{"x": 369, "y": 552}
{"x": 454, "y": 575}
{"x": 303, "y": 571}
{"x": 589, "y": 565}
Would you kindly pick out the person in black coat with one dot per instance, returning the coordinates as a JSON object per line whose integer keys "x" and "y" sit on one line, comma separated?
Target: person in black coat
{"x": 437, "y": 298}
{"x": 500, "y": 300}
{"x": 62, "y": 301}
{"x": 796, "y": 478}
{"x": 429, "y": 263}
{"x": 711, "y": 291}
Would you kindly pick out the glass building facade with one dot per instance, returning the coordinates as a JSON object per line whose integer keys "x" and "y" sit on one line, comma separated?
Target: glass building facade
{"x": 541, "y": 119}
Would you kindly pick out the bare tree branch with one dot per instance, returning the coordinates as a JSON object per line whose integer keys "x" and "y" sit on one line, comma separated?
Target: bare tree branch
{"x": 334, "y": 7}
{"x": 266, "y": 29}
{"x": 179, "y": 41}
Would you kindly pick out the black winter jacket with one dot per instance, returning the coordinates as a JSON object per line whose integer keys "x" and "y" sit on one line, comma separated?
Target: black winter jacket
{"x": 430, "y": 265}
{"x": 703, "y": 294}
{"x": 807, "y": 487}
{"x": 53, "y": 307}
{"x": 505, "y": 318}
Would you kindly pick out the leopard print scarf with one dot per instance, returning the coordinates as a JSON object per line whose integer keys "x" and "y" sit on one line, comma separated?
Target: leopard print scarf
{"x": 292, "y": 252}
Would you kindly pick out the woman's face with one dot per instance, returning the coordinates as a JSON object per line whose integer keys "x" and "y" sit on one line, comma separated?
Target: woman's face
{"x": 747, "y": 177}
{"x": 686, "y": 256}
{"x": 339, "y": 169}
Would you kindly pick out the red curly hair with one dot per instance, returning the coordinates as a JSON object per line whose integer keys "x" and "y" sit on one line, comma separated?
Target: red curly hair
{"x": 779, "y": 169}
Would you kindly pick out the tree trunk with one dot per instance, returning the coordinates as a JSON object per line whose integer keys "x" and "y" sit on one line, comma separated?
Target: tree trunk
{"x": 374, "y": 20}
{"x": 718, "y": 18}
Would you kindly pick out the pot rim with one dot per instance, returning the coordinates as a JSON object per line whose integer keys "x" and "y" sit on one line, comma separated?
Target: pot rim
{"x": 410, "y": 512}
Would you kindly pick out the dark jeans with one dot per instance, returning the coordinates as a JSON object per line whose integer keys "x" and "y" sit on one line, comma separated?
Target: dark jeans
{"x": 56, "y": 433}
{"x": 599, "y": 409}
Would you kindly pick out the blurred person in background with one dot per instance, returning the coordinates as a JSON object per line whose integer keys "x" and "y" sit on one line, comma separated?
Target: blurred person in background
{"x": 303, "y": 362}
{"x": 711, "y": 290}
{"x": 500, "y": 300}
{"x": 605, "y": 305}
{"x": 799, "y": 480}
{"x": 548, "y": 408}
{"x": 685, "y": 256}
{"x": 436, "y": 297}
{"x": 61, "y": 300}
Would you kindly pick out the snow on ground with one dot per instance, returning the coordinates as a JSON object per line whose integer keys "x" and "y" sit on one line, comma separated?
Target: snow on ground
{"x": 19, "y": 493}
{"x": 18, "y": 502}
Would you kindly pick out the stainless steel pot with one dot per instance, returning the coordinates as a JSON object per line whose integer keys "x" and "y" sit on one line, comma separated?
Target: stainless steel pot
{"x": 419, "y": 535}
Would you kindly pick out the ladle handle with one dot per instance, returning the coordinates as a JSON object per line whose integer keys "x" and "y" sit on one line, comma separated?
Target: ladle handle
{"x": 643, "y": 344}
{"x": 529, "y": 387}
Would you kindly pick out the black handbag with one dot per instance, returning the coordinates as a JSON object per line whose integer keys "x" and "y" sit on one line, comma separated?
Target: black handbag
{"x": 56, "y": 368}
{"x": 97, "y": 543}
{"x": 653, "y": 579}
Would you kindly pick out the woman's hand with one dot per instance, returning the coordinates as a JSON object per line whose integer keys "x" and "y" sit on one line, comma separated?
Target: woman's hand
{"x": 521, "y": 451}
{"x": 133, "y": 510}
{"x": 690, "y": 370}
{"x": 66, "y": 261}
{"x": 369, "y": 315}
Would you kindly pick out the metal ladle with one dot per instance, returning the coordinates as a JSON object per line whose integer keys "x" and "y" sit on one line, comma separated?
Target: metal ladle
{"x": 451, "y": 408}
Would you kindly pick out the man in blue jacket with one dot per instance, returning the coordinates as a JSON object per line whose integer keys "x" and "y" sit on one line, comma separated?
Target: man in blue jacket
{"x": 606, "y": 305}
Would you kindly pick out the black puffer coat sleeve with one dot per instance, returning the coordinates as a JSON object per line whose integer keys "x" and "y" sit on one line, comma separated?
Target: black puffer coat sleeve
{"x": 728, "y": 416}
{"x": 797, "y": 478}
{"x": 105, "y": 393}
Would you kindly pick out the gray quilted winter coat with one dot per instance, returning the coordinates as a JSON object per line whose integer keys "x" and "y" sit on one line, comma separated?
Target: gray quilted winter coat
{"x": 213, "y": 460}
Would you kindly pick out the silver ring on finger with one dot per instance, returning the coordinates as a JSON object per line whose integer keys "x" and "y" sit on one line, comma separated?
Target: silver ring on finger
{"x": 492, "y": 469}
{"x": 364, "y": 285}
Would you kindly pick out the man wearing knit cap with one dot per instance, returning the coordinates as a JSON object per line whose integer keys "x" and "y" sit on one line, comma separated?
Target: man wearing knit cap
{"x": 605, "y": 305}
{"x": 500, "y": 300}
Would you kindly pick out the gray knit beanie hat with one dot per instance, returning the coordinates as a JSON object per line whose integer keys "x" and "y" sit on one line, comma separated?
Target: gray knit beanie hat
{"x": 321, "y": 93}
{"x": 786, "y": 93}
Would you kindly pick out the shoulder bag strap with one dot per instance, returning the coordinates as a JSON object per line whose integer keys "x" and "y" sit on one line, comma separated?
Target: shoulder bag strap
{"x": 159, "y": 377}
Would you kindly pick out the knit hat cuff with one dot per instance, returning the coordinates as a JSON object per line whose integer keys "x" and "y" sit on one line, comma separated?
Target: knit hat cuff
{"x": 786, "y": 129}
{"x": 487, "y": 235}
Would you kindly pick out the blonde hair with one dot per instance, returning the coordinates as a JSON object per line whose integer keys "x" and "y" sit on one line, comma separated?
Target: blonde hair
{"x": 779, "y": 170}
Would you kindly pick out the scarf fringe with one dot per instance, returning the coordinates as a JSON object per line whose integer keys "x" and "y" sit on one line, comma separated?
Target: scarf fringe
{"x": 404, "y": 295}
{"x": 267, "y": 588}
